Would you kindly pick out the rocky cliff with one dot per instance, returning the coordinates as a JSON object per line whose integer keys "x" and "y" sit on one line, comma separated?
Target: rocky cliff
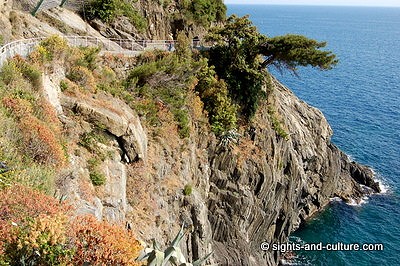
{"x": 161, "y": 18}
{"x": 244, "y": 190}
{"x": 259, "y": 189}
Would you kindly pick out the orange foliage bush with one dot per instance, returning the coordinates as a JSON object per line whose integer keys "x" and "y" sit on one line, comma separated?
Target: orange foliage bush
{"x": 40, "y": 138}
{"x": 40, "y": 142}
{"x": 18, "y": 204}
{"x": 32, "y": 223}
{"x": 99, "y": 243}
{"x": 83, "y": 77}
{"x": 43, "y": 241}
{"x": 18, "y": 107}
{"x": 48, "y": 114}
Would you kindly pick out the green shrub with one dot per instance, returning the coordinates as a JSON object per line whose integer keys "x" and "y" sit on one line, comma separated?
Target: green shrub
{"x": 277, "y": 124}
{"x": 18, "y": 70}
{"x": 25, "y": 94}
{"x": 182, "y": 117}
{"x": 83, "y": 77}
{"x": 182, "y": 47}
{"x": 9, "y": 73}
{"x": 148, "y": 109}
{"x": 140, "y": 74}
{"x": 91, "y": 140}
{"x": 162, "y": 80}
{"x": 102, "y": 9}
{"x": 97, "y": 178}
{"x": 133, "y": 15}
{"x": 54, "y": 47}
{"x": 203, "y": 12}
{"x": 109, "y": 10}
{"x": 32, "y": 74}
{"x": 63, "y": 85}
{"x": 89, "y": 58}
{"x": 95, "y": 175}
{"x": 222, "y": 112}
{"x": 187, "y": 190}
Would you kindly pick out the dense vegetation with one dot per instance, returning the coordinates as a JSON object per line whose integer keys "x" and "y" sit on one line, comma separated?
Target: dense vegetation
{"x": 36, "y": 229}
{"x": 203, "y": 12}
{"x": 241, "y": 54}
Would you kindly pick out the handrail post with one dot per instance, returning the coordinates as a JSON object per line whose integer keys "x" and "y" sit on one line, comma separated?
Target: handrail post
{"x": 33, "y": 13}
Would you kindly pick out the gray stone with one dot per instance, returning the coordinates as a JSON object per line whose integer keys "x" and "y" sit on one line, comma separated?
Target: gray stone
{"x": 116, "y": 117}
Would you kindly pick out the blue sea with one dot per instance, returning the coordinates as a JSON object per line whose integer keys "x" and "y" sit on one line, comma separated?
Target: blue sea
{"x": 361, "y": 100}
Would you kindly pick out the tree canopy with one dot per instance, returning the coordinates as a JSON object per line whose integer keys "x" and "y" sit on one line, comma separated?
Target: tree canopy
{"x": 290, "y": 51}
{"x": 241, "y": 55}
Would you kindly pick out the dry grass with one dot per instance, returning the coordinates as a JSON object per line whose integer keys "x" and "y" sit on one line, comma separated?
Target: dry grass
{"x": 247, "y": 150}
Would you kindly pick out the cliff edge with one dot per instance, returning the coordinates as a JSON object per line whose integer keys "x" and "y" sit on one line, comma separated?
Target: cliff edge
{"x": 259, "y": 187}
{"x": 232, "y": 193}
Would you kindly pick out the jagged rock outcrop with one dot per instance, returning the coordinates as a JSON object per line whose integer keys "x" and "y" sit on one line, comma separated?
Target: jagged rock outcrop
{"x": 260, "y": 189}
{"x": 126, "y": 143}
{"x": 266, "y": 188}
{"x": 116, "y": 118}
{"x": 160, "y": 17}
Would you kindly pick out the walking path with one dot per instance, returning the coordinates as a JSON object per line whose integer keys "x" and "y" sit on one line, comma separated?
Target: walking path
{"x": 119, "y": 46}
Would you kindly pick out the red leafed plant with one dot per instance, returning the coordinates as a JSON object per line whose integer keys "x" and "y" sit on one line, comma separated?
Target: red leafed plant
{"x": 100, "y": 243}
{"x": 37, "y": 229}
{"x": 32, "y": 227}
{"x": 40, "y": 138}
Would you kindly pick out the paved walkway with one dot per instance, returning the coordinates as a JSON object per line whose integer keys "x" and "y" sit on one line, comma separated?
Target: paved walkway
{"x": 119, "y": 46}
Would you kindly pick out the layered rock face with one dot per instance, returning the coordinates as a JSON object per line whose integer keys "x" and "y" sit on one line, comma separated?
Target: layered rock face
{"x": 259, "y": 189}
{"x": 266, "y": 188}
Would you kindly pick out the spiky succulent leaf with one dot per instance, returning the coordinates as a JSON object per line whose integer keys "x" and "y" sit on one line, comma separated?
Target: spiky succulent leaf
{"x": 176, "y": 256}
{"x": 178, "y": 237}
{"x": 201, "y": 260}
{"x": 156, "y": 246}
{"x": 156, "y": 258}
{"x": 144, "y": 254}
{"x": 169, "y": 252}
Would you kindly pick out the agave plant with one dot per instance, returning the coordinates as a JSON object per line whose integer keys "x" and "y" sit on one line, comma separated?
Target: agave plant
{"x": 230, "y": 137}
{"x": 172, "y": 255}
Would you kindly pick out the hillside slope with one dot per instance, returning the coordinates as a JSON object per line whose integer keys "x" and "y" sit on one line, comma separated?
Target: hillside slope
{"x": 139, "y": 149}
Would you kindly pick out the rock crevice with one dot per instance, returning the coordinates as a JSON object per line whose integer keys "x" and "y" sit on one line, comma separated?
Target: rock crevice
{"x": 117, "y": 118}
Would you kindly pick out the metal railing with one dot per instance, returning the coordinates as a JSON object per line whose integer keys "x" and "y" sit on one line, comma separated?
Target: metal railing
{"x": 122, "y": 46}
{"x": 22, "y": 47}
